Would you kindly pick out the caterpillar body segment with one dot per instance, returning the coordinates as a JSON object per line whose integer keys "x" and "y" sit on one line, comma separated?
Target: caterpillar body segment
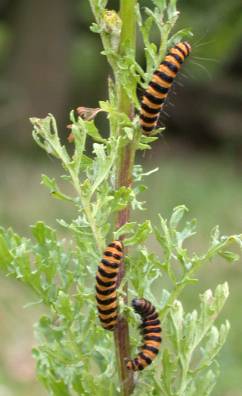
{"x": 106, "y": 284}
{"x": 160, "y": 85}
{"x": 151, "y": 332}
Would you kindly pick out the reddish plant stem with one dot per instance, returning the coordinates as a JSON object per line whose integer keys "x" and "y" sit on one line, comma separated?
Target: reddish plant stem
{"x": 125, "y": 164}
{"x": 121, "y": 333}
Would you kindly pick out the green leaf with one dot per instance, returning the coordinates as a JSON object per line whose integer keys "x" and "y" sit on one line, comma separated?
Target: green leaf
{"x": 46, "y": 136}
{"x": 63, "y": 306}
{"x": 122, "y": 198}
{"x": 179, "y": 36}
{"x": 51, "y": 184}
{"x": 145, "y": 140}
{"x": 161, "y": 4}
{"x": 230, "y": 256}
{"x": 169, "y": 371}
{"x": 140, "y": 232}
{"x": 93, "y": 132}
{"x": 171, "y": 10}
{"x": 177, "y": 215}
{"x": 102, "y": 163}
{"x": 43, "y": 233}
{"x": 125, "y": 229}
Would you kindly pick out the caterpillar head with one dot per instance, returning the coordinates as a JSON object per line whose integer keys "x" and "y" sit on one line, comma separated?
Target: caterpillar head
{"x": 117, "y": 244}
{"x": 138, "y": 304}
{"x": 129, "y": 365}
{"x": 133, "y": 364}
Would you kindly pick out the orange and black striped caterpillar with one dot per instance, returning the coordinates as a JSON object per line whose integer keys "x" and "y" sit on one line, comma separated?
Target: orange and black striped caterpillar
{"x": 106, "y": 278}
{"x": 162, "y": 79}
{"x": 151, "y": 332}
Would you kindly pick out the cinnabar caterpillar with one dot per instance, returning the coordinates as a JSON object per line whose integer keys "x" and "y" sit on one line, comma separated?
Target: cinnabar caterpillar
{"x": 106, "y": 278}
{"x": 151, "y": 332}
{"x": 161, "y": 82}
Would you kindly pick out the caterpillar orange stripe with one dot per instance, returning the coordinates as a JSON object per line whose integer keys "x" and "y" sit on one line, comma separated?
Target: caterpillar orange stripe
{"x": 151, "y": 331}
{"x": 106, "y": 278}
{"x": 161, "y": 82}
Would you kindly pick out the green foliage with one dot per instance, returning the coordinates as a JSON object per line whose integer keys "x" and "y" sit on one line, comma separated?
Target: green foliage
{"x": 74, "y": 352}
{"x": 75, "y": 356}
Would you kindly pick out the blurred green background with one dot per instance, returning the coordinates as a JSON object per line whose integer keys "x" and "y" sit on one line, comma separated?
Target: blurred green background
{"x": 51, "y": 62}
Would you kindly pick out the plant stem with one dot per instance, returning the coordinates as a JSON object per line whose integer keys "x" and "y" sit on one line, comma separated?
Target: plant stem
{"x": 104, "y": 36}
{"x": 86, "y": 207}
{"x": 124, "y": 178}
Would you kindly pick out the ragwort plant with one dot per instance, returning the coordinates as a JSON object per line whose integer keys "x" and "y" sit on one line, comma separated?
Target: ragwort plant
{"x": 75, "y": 355}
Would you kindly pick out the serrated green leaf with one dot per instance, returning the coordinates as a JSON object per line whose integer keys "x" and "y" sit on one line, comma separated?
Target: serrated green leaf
{"x": 93, "y": 132}
{"x": 63, "y": 306}
{"x": 169, "y": 370}
{"x": 122, "y": 198}
{"x": 43, "y": 233}
{"x": 177, "y": 215}
{"x": 139, "y": 232}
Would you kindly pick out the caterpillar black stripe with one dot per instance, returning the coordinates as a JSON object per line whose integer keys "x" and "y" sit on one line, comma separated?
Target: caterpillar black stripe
{"x": 106, "y": 279}
{"x": 161, "y": 82}
{"x": 151, "y": 332}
